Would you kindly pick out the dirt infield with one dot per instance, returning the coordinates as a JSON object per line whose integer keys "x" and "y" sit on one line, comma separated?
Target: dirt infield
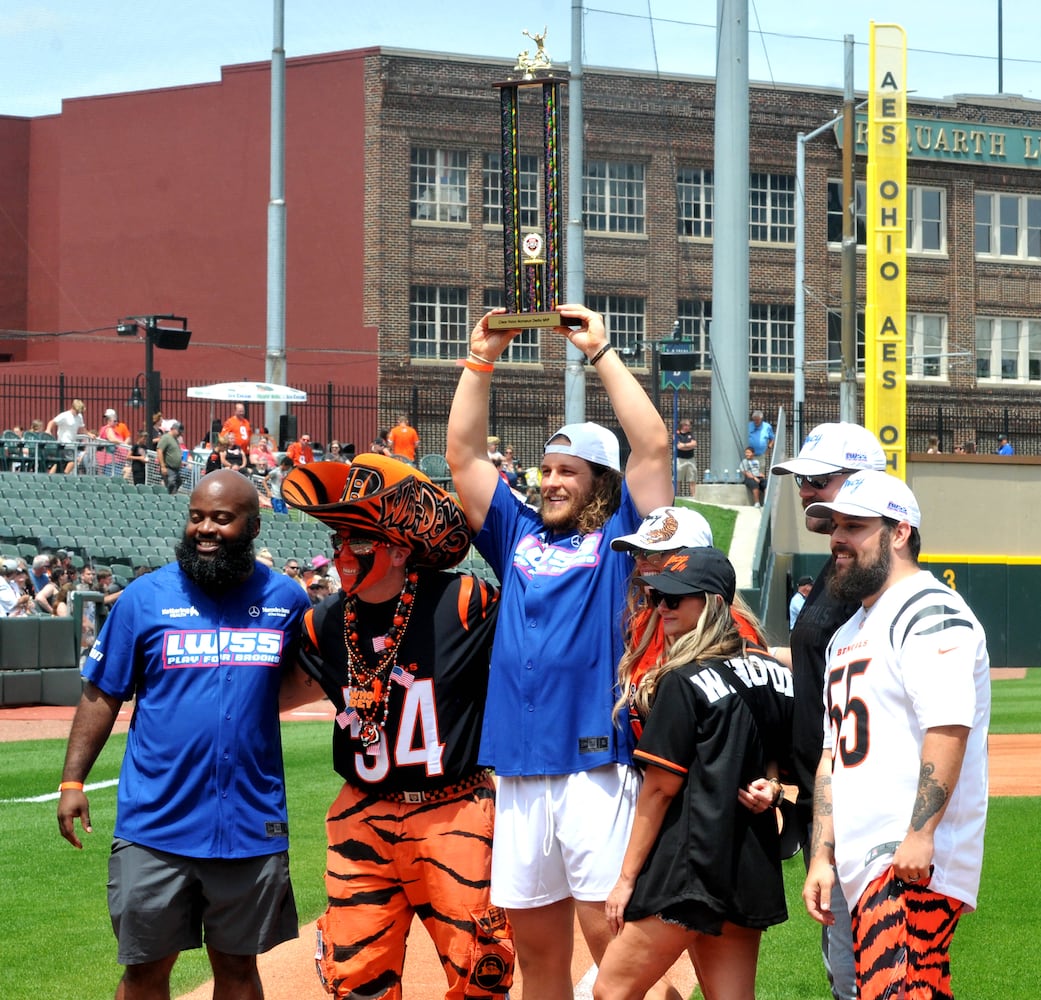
{"x": 288, "y": 971}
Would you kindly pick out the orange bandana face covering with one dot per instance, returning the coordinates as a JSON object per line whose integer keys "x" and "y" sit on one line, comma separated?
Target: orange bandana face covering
{"x": 380, "y": 497}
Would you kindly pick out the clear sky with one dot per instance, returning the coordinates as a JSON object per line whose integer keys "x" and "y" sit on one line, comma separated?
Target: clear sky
{"x": 52, "y": 50}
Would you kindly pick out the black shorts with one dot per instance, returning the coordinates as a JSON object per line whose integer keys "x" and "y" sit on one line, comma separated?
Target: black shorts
{"x": 162, "y": 903}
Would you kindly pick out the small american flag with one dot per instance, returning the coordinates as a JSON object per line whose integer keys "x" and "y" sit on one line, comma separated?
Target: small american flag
{"x": 402, "y": 676}
{"x": 348, "y": 717}
{"x": 379, "y": 643}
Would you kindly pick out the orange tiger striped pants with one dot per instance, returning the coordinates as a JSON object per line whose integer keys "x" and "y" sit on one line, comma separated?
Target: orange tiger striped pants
{"x": 902, "y": 940}
{"x": 388, "y": 861}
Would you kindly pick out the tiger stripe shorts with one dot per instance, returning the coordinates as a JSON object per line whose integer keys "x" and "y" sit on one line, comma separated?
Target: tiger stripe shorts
{"x": 902, "y": 936}
{"x": 388, "y": 861}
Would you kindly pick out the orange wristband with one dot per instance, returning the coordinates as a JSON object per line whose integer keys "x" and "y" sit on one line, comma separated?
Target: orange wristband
{"x": 71, "y": 786}
{"x": 475, "y": 367}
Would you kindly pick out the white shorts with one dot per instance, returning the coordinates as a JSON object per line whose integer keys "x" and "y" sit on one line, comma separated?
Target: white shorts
{"x": 561, "y": 836}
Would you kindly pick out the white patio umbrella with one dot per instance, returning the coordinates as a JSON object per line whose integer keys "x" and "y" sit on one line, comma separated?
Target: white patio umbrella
{"x": 248, "y": 392}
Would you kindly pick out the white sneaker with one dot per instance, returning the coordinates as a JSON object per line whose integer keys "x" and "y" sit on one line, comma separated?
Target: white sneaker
{"x": 759, "y": 505}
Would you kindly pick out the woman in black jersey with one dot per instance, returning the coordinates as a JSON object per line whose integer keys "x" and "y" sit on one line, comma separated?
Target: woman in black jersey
{"x": 702, "y": 871}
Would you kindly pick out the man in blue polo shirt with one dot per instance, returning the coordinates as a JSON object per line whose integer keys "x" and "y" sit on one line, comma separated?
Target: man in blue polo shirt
{"x": 201, "y": 834}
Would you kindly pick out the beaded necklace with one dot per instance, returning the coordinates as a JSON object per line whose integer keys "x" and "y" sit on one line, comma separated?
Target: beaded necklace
{"x": 367, "y": 695}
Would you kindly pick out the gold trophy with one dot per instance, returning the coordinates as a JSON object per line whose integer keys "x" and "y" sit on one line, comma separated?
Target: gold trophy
{"x": 531, "y": 260}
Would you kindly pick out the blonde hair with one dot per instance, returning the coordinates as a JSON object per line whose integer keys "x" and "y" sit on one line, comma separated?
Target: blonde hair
{"x": 714, "y": 637}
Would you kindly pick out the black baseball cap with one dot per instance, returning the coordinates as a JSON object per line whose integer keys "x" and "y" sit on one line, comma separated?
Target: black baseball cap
{"x": 804, "y": 580}
{"x": 695, "y": 571}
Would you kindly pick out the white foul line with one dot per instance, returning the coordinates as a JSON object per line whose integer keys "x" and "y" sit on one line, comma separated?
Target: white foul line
{"x": 51, "y": 796}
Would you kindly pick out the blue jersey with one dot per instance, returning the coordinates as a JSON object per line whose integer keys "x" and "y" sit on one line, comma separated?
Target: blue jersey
{"x": 553, "y": 681}
{"x": 202, "y": 774}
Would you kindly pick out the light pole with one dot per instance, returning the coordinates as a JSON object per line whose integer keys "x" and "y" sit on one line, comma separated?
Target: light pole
{"x": 173, "y": 336}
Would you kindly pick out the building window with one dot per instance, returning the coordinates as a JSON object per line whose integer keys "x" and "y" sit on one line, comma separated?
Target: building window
{"x": 438, "y": 325}
{"x": 695, "y": 319}
{"x": 835, "y": 342}
{"x": 926, "y": 217}
{"x": 524, "y": 347}
{"x": 771, "y": 212}
{"x": 438, "y": 185}
{"x": 925, "y": 338}
{"x": 1008, "y": 225}
{"x": 528, "y": 188}
{"x": 613, "y": 197}
{"x": 694, "y": 203}
{"x": 625, "y": 320}
{"x": 771, "y": 338}
{"x": 1008, "y": 349}
{"x": 926, "y": 345}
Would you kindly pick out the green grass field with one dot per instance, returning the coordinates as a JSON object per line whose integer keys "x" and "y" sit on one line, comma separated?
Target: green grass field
{"x": 59, "y": 943}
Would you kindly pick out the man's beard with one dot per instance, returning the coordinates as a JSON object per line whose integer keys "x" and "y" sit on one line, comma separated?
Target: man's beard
{"x": 230, "y": 565}
{"x": 859, "y": 580}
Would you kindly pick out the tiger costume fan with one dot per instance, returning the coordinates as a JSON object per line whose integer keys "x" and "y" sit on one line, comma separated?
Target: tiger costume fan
{"x": 403, "y": 653}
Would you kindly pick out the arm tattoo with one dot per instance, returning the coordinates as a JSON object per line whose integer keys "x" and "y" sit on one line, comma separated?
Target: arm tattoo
{"x": 822, "y": 796}
{"x": 931, "y": 797}
{"x": 817, "y": 839}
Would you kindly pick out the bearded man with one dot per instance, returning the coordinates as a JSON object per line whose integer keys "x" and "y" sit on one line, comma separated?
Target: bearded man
{"x": 201, "y": 833}
{"x": 900, "y": 803}
{"x": 402, "y": 652}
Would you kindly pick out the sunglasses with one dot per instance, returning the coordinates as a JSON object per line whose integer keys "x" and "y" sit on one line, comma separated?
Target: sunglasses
{"x": 650, "y": 555}
{"x": 671, "y": 601}
{"x": 816, "y": 482}
{"x": 292, "y": 566}
{"x": 358, "y": 546}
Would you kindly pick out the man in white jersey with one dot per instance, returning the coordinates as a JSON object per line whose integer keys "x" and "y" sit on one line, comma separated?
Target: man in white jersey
{"x": 900, "y": 803}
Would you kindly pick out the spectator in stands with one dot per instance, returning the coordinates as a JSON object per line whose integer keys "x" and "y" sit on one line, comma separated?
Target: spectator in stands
{"x": 47, "y": 596}
{"x": 12, "y": 602}
{"x": 336, "y": 453}
{"x": 218, "y": 457}
{"x": 113, "y": 434}
{"x": 66, "y": 427}
{"x": 139, "y": 458}
{"x": 273, "y": 485}
{"x": 752, "y": 475}
{"x": 1005, "y": 446}
{"x": 403, "y": 440}
{"x": 262, "y": 452}
{"x": 40, "y": 572}
{"x": 322, "y": 566}
{"x": 292, "y": 570}
{"x": 234, "y": 456}
{"x": 168, "y": 455}
{"x": 158, "y": 430}
{"x": 237, "y": 430}
{"x": 300, "y": 451}
{"x": 264, "y": 556}
{"x": 106, "y": 585}
{"x": 380, "y": 444}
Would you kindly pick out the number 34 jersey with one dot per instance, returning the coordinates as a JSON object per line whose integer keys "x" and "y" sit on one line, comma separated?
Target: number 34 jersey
{"x": 917, "y": 659}
{"x": 438, "y": 682}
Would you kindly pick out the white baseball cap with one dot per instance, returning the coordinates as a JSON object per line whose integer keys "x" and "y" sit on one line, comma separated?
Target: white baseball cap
{"x": 834, "y": 448}
{"x": 872, "y": 494}
{"x": 667, "y": 528}
{"x": 590, "y": 441}
{"x": 110, "y": 413}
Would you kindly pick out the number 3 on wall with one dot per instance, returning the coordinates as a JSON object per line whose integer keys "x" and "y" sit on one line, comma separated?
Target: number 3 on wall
{"x": 950, "y": 579}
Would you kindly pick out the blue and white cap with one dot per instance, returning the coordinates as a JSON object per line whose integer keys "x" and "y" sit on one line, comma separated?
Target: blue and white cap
{"x": 872, "y": 494}
{"x": 838, "y": 447}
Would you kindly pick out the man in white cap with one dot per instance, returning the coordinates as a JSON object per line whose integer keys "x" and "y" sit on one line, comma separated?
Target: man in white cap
{"x": 567, "y": 789}
{"x": 830, "y": 454}
{"x": 900, "y": 805}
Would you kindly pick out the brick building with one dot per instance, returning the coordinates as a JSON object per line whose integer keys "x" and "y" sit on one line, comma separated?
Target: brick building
{"x": 156, "y": 202}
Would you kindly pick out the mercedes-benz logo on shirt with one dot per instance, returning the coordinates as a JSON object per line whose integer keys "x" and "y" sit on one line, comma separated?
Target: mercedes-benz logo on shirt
{"x": 254, "y": 611}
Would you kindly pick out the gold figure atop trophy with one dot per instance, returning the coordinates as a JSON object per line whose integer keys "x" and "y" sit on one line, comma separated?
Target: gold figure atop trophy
{"x": 531, "y": 260}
